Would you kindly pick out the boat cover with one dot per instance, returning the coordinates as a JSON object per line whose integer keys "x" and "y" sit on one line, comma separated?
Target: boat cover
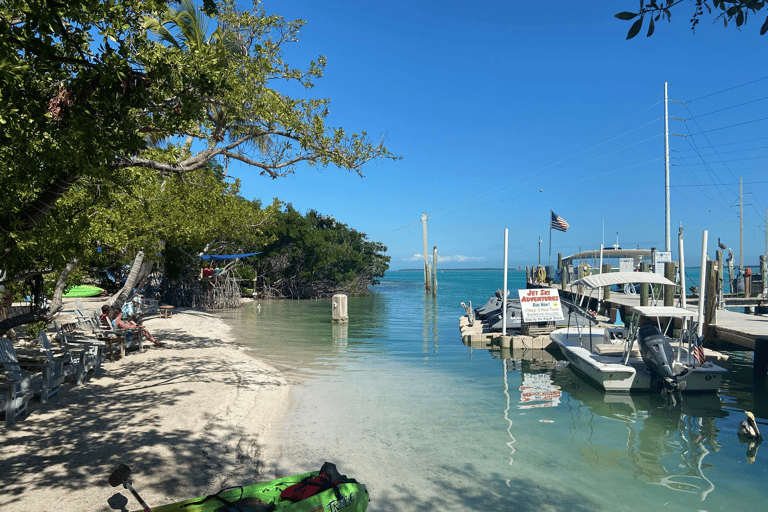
{"x": 622, "y": 278}
{"x": 664, "y": 312}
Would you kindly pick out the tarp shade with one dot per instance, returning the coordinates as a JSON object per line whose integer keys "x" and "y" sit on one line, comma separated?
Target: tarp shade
{"x": 226, "y": 256}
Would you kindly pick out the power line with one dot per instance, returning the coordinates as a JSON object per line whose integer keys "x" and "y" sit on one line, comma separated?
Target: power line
{"x": 726, "y": 90}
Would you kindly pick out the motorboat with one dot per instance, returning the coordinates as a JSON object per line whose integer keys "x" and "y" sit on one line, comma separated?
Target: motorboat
{"x": 640, "y": 356}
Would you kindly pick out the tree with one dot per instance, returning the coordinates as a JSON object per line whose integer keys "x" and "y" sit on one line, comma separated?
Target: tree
{"x": 316, "y": 256}
{"x": 79, "y": 110}
{"x": 731, "y": 11}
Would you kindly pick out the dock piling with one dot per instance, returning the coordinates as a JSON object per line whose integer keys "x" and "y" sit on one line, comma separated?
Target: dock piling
{"x": 760, "y": 364}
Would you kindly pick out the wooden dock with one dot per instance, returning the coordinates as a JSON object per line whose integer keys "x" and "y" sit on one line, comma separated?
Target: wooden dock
{"x": 728, "y": 327}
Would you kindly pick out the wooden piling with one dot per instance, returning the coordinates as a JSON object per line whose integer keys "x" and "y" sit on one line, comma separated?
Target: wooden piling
{"x": 760, "y": 365}
{"x": 606, "y": 289}
{"x": 434, "y": 271}
{"x": 719, "y": 259}
{"x": 670, "y": 268}
{"x": 709, "y": 296}
{"x": 644, "y": 267}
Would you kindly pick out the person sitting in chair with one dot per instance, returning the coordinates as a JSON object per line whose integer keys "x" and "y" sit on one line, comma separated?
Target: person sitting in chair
{"x": 119, "y": 323}
{"x": 131, "y": 310}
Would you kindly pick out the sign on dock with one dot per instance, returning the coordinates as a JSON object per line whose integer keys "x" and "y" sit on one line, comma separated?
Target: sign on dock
{"x": 541, "y": 305}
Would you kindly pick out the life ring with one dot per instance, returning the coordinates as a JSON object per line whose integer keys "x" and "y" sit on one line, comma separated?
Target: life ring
{"x": 747, "y": 271}
{"x": 584, "y": 270}
{"x": 541, "y": 274}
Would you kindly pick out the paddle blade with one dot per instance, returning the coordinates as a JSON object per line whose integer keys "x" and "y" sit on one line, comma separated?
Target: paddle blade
{"x": 120, "y": 475}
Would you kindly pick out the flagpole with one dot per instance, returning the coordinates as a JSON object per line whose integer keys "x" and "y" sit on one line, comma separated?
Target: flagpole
{"x": 550, "y": 237}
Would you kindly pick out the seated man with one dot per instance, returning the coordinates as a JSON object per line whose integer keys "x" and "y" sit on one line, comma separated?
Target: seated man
{"x": 131, "y": 310}
{"x": 119, "y": 323}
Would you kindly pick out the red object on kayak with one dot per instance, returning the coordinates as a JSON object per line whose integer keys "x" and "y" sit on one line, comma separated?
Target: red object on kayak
{"x": 304, "y": 490}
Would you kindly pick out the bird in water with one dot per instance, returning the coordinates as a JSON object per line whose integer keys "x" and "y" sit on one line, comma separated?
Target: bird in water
{"x": 749, "y": 435}
{"x": 748, "y": 428}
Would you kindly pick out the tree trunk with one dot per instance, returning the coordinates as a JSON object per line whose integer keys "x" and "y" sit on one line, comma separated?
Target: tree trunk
{"x": 56, "y": 301}
{"x": 133, "y": 276}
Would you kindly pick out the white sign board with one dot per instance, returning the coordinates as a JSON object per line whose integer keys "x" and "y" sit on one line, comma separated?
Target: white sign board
{"x": 659, "y": 259}
{"x": 542, "y": 305}
{"x": 626, "y": 264}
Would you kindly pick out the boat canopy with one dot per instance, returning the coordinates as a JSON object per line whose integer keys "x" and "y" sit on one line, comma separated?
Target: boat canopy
{"x": 622, "y": 278}
{"x": 609, "y": 252}
{"x": 664, "y": 312}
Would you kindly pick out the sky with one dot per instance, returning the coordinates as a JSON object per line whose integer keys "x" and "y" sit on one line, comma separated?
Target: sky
{"x": 505, "y": 111}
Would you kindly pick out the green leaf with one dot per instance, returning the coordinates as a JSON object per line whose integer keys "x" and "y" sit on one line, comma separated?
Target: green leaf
{"x": 635, "y": 28}
{"x": 764, "y": 28}
{"x": 625, "y": 15}
{"x": 651, "y": 28}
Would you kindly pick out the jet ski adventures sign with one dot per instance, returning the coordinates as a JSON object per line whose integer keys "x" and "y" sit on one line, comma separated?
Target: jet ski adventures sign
{"x": 542, "y": 305}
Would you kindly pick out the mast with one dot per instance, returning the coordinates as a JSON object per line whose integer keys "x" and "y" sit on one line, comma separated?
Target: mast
{"x": 667, "y": 241}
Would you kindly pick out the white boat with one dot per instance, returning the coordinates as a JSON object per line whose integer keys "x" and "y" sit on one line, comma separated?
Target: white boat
{"x": 638, "y": 357}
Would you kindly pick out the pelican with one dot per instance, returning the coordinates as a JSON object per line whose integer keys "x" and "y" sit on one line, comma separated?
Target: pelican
{"x": 748, "y": 428}
{"x": 720, "y": 244}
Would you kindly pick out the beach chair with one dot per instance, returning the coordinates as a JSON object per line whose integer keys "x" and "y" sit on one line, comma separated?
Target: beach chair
{"x": 18, "y": 388}
{"x": 63, "y": 367}
{"x": 83, "y": 318}
{"x": 84, "y": 354}
{"x": 149, "y": 306}
{"x": 42, "y": 381}
{"x": 104, "y": 331}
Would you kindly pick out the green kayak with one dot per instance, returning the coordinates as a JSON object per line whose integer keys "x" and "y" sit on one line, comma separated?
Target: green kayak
{"x": 320, "y": 491}
{"x": 84, "y": 290}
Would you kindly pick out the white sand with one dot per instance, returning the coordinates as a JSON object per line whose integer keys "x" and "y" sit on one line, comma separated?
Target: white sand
{"x": 189, "y": 419}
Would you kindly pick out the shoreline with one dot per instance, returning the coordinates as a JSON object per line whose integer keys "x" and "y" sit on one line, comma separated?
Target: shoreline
{"x": 188, "y": 419}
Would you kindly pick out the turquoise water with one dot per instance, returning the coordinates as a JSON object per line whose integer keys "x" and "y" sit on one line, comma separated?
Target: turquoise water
{"x": 396, "y": 400}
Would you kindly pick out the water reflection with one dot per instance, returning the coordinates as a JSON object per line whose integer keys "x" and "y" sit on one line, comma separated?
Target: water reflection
{"x": 430, "y": 322}
{"x": 666, "y": 438}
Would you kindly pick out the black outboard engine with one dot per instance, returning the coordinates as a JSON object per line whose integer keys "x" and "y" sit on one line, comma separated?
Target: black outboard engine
{"x": 657, "y": 355}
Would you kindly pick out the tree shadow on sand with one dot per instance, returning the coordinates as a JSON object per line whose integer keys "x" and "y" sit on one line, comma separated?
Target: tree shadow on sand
{"x": 70, "y": 444}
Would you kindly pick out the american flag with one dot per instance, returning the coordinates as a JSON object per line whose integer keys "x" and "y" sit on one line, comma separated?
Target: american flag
{"x": 558, "y": 222}
{"x": 698, "y": 350}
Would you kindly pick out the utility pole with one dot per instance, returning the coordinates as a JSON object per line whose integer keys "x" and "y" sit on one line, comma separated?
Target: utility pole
{"x": 424, "y": 218}
{"x": 741, "y": 226}
{"x": 667, "y": 241}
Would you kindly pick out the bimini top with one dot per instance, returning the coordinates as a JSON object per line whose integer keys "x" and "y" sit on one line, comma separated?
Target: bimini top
{"x": 664, "y": 312}
{"x": 622, "y": 278}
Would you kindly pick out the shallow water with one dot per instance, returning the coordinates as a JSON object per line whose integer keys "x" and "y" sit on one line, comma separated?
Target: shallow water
{"x": 397, "y": 401}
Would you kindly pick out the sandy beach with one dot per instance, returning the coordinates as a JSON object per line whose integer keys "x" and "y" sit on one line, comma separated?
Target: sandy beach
{"x": 189, "y": 419}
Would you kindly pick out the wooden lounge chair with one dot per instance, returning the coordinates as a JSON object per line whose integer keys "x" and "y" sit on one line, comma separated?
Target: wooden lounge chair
{"x": 64, "y": 367}
{"x": 82, "y": 316}
{"x": 84, "y": 354}
{"x": 104, "y": 330}
{"x": 18, "y": 389}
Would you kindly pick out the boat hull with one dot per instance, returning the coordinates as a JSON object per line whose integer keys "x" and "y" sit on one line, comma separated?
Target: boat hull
{"x": 352, "y": 497}
{"x": 611, "y": 374}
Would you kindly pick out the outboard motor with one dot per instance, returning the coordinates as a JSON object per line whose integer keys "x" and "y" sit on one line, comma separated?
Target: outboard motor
{"x": 657, "y": 355}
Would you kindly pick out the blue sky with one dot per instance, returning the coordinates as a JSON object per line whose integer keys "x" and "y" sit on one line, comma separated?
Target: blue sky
{"x": 505, "y": 110}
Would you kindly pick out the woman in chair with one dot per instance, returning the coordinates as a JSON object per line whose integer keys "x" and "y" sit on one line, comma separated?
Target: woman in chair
{"x": 119, "y": 323}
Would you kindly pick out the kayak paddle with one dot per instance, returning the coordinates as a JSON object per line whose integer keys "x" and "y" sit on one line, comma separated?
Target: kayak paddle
{"x": 120, "y": 477}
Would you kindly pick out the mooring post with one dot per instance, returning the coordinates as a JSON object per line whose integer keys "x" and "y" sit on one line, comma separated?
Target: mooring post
{"x": 719, "y": 260}
{"x": 670, "y": 268}
{"x": 760, "y": 365}
{"x": 339, "y": 312}
{"x": 644, "y": 267}
{"x": 424, "y": 218}
{"x": 709, "y": 296}
{"x": 434, "y": 270}
{"x": 607, "y": 289}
